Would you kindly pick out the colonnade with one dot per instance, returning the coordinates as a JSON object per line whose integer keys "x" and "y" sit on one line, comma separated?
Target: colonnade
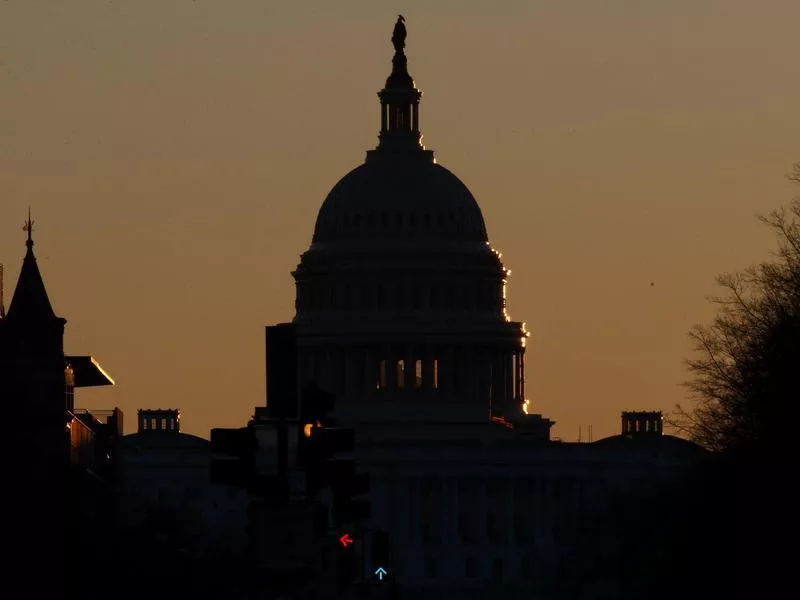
{"x": 496, "y": 373}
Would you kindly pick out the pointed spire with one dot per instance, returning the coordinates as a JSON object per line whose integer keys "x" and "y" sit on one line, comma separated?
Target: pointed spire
{"x": 30, "y": 301}
{"x": 29, "y": 228}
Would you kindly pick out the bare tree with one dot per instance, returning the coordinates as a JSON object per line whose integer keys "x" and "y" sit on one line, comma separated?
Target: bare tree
{"x": 746, "y": 374}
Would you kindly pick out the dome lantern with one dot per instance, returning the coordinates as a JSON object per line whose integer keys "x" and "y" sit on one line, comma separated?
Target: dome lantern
{"x": 400, "y": 102}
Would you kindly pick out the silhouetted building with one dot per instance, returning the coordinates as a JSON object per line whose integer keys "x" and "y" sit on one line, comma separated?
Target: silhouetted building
{"x": 401, "y": 313}
{"x": 401, "y": 300}
{"x": 58, "y": 454}
{"x": 166, "y": 492}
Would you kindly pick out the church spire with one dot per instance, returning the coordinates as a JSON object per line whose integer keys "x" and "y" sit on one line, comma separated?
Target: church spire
{"x": 28, "y": 226}
{"x": 400, "y": 100}
{"x": 30, "y": 301}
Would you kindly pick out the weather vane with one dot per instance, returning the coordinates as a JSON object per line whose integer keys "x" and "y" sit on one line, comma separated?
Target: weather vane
{"x": 28, "y": 225}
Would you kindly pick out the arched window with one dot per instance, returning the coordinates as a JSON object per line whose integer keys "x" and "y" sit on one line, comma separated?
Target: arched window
{"x": 383, "y": 382}
{"x": 401, "y": 374}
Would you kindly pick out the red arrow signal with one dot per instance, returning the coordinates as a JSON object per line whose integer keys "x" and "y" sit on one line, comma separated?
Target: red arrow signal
{"x": 345, "y": 540}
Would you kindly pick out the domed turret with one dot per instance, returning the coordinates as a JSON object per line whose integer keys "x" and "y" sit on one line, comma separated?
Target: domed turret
{"x": 400, "y": 298}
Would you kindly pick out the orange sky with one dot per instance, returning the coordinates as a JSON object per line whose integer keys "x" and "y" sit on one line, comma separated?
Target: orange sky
{"x": 175, "y": 154}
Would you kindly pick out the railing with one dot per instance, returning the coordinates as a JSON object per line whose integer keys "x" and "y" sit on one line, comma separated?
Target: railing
{"x": 101, "y": 415}
{"x": 110, "y": 417}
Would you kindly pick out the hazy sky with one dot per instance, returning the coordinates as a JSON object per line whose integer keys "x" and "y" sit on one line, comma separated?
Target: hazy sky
{"x": 176, "y": 152}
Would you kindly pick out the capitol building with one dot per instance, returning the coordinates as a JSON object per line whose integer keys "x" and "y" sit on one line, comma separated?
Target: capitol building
{"x": 401, "y": 312}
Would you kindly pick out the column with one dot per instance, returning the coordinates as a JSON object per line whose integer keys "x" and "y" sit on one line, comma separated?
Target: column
{"x": 455, "y": 508}
{"x": 391, "y": 369}
{"x": 470, "y": 377}
{"x": 522, "y": 374}
{"x": 482, "y": 510}
{"x": 508, "y": 379}
{"x": 427, "y": 371}
{"x": 447, "y": 375}
{"x": 508, "y": 507}
{"x": 368, "y": 383}
{"x": 483, "y": 375}
{"x": 411, "y": 367}
{"x": 497, "y": 383}
{"x": 350, "y": 385}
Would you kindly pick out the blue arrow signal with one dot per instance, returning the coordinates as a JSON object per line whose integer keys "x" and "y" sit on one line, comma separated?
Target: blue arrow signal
{"x": 380, "y": 572}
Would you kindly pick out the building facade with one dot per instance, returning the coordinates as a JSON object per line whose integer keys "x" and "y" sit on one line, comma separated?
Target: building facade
{"x": 400, "y": 304}
{"x": 401, "y": 312}
{"x": 165, "y": 490}
{"x": 55, "y": 476}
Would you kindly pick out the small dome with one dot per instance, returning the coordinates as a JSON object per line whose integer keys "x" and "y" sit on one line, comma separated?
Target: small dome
{"x": 401, "y": 198}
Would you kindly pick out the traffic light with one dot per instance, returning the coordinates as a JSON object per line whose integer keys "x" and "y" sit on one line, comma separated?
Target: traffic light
{"x": 320, "y": 447}
{"x": 381, "y": 549}
{"x": 347, "y": 567}
{"x": 316, "y": 453}
{"x": 233, "y": 456}
{"x": 346, "y": 484}
{"x": 316, "y": 404}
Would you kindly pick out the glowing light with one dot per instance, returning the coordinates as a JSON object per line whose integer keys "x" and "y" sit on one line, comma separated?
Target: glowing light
{"x": 345, "y": 540}
{"x": 308, "y": 428}
{"x": 380, "y": 572}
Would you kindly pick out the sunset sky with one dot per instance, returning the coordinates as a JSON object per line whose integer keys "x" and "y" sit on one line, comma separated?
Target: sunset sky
{"x": 175, "y": 154}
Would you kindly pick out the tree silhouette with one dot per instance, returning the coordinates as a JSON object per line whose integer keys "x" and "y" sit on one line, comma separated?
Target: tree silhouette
{"x": 746, "y": 387}
{"x": 746, "y": 376}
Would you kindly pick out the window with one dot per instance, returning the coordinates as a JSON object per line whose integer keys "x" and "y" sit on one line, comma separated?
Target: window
{"x": 382, "y": 375}
{"x": 360, "y": 373}
{"x": 69, "y": 382}
{"x": 401, "y": 374}
{"x": 525, "y": 567}
{"x": 418, "y": 374}
{"x": 436, "y": 373}
{"x": 430, "y": 568}
{"x": 492, "y": 529}
{"x": 466, "y": 530}
{"x": 470, "y": 569}
{"x": 497, "y": 570}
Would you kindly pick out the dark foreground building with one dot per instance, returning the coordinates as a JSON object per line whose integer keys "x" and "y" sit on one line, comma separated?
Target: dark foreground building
{"x": 58, "y": 458}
